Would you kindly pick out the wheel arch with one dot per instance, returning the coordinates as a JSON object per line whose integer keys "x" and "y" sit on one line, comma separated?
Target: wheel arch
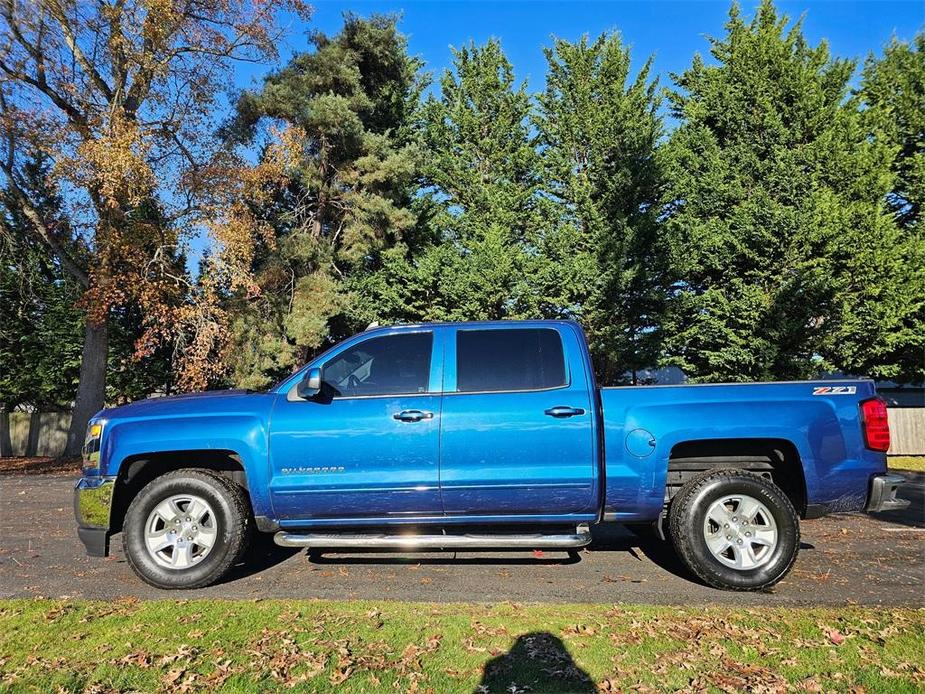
{"x": 775, "y": 458}
{"x": 139, "y": 469}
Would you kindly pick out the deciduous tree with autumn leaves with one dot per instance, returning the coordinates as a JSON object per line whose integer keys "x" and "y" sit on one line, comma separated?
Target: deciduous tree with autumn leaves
{"x": 120, "y": 95}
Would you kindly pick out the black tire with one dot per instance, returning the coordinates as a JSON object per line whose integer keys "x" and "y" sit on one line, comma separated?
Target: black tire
{"x": 687, "y": 516}
{"x": 233, "y": 521}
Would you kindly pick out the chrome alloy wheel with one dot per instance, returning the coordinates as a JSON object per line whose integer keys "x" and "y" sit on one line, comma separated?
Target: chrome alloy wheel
{"x": 180, "y": 531}
{"x": 740, "y": 532}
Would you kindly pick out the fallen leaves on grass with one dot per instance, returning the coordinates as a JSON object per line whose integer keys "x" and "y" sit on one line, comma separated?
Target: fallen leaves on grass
{"x": 579, "y": 630}
{"x": 736, "y": 677}
{"x": 396, "y": 647}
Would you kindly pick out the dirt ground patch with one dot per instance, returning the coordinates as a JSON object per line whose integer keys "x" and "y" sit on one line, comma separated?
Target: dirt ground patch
{"x": 39, "y": 465}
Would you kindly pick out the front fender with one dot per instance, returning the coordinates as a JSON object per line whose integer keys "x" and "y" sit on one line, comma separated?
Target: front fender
{"x": 243, "y": 435}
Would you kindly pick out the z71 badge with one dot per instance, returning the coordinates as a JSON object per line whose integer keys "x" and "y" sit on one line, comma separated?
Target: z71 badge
{"x": 835, "y": 390}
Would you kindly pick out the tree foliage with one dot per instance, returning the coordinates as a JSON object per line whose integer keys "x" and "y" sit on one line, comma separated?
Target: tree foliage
{"x": 480, "y": 200}
{"x": 785, "y": 257}
{"x": 599, "y": 131}
{"x": 893, "y": 95}
{"x": 773, "y": 233}
{"x": 120, "y": 95}
{"x": 40, "y": 327}
{"x": 331, "y": 192}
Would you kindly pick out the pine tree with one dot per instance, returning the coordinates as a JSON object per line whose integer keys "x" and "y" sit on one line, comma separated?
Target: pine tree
{"x": 481, "y": 183}
{"x": 345, "y": 198}
{"x": 599, "y": 131}
{"x": 785, "y": 257}
{"x": 41, "y": 329}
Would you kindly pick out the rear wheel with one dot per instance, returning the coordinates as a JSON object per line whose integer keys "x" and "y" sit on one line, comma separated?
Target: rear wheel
{"x": 186, "y": 529}
{"x": 735, "y": 530}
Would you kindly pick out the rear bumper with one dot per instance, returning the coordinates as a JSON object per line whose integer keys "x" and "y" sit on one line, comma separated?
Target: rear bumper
{"x": 882, "y": 496}
{"x": 92, "y": 506}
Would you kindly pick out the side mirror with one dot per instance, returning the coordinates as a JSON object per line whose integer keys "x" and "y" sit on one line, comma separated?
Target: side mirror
{"x": 310, "y": 385}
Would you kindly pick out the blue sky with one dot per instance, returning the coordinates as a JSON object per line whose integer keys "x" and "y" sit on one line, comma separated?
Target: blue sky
{"x": 672, "y": 31}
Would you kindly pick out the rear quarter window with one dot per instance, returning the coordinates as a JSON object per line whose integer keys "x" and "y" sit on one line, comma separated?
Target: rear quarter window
{"x": 509, "y": 359}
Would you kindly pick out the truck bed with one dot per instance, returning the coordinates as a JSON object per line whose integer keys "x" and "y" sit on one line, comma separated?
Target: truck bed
{"x": 645, "y": 427}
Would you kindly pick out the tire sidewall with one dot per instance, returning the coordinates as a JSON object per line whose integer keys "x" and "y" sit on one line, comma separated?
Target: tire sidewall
{"x": 778, "y": 505}
{"x": 207, "y": 487}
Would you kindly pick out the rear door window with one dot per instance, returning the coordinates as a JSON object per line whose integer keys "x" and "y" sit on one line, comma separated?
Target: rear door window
{"x": 509, "y": 359}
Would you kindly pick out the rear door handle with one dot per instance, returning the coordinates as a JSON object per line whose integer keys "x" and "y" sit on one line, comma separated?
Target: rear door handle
{"x": 412, "y": 415}
{"x": 564, "y": 411}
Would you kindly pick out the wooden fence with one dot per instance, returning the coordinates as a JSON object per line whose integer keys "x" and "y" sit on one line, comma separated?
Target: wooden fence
{"x": 22, "y": 433}
{"x": 36, "y": 433}
{"x": 907, "y": 430}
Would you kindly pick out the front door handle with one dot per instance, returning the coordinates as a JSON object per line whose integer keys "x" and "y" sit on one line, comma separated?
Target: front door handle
{"x": 564, "y": 411}
{"x": 412, "y": 415}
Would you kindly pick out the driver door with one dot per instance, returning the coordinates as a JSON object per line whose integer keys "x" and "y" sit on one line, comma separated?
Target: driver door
{"x": 368, "y": 445}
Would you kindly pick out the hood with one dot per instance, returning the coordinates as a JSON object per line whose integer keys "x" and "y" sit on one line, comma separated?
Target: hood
{"x": 182, "y": 403}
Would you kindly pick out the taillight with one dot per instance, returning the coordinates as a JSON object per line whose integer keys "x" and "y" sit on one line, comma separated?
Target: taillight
{"x": 875, "y": 424}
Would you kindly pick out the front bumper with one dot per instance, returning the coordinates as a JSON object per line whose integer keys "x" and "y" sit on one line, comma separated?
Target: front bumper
{"x": 882, "y": 496}
{"x": 92, "y": 506}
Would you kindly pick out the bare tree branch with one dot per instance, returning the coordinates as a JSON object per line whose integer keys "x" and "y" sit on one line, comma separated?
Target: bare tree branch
{"x": 57, "y": 11}
{"x": 28, "y": 209}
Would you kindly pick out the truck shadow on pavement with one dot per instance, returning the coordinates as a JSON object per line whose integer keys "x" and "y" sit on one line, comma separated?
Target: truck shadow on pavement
{"x": 914, "y": 492}
{"x": 640, "y": 543}
{"x": 540, "y": 659}
{"x": 262, "y": 554}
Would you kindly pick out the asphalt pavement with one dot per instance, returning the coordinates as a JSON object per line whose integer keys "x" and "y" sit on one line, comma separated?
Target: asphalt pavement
{"x": 844, "y": 559}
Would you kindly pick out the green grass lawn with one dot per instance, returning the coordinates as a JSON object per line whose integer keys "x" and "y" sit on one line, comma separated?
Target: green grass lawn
{"x": 392, "y": 646}
{"x": 907, "y": 462}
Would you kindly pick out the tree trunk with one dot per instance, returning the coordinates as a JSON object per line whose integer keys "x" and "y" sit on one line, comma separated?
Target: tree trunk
{"x": 91, "y": 391}
{"x": 6, "y": 441}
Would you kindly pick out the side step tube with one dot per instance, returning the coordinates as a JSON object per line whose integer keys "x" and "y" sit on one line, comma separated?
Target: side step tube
{"x": 580, "y": 538}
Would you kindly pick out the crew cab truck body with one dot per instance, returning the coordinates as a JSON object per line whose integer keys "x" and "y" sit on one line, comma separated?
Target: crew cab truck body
{"x": 479, "y": 435}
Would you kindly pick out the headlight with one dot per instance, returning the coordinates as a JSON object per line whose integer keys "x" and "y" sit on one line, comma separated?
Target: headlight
{"x": 91, "y": 449}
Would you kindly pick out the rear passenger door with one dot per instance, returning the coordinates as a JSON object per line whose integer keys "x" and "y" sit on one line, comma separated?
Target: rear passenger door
{"x": 516, "y": 432}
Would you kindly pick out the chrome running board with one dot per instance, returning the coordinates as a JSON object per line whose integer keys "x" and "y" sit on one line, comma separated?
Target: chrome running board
{"x": 413, "y": 542}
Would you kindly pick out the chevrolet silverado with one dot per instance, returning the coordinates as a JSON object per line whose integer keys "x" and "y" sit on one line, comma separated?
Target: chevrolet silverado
{"x": 479, "y": 436}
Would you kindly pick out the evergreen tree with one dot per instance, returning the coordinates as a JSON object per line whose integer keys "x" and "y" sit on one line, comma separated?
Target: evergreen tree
{"x": 599, "y": 131}
{"x": 892, "y": 95}
{"x": 41, "y": 330}
{"x": 481, "y": 183}
{"x": 41, "y": 323}
{"x": 347, "y": 195}
{"x": 785, "y": 258}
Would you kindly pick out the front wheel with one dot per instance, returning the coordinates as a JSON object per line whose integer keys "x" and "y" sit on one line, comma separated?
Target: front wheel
{"x": 735, "y": 530}
{"x": 186, "y": 529}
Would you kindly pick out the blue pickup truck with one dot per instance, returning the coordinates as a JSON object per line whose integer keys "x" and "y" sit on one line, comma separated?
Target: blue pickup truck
{"x": 489, "y": 435}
